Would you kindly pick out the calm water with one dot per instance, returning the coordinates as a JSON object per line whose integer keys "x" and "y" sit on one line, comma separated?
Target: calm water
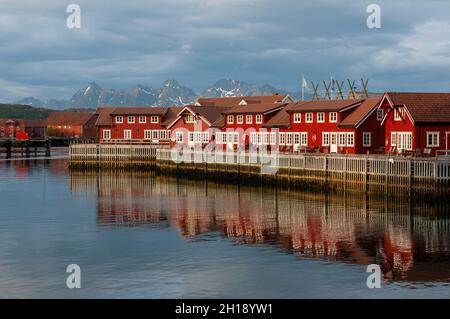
{"x": 144, "y": 236}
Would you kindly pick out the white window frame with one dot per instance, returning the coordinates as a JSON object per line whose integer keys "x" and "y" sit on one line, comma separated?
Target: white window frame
{"x": 154, "y": 119}
{"x": 399, "y": 113}
{"x": 435, "y": 143}
{"x": 142, "y": 119}
{"x": 393, "y": 138}
{"x": 309, "y": 118}
{"x": 125, "y": 134}
{"x": 289, "y": 138}
{"x": 169, "y": 134}
{"x": 380, "y": 115}
{"x": 155, "y": 137}
{"x": 163, "y": 135}
{"x": 297, "y": 117}
{"x": 273, "y": 138}
{"x": 240, "y": 119}
{"x": 230, "y": 119}
{"x": 351, "y": 139}
{"x": 131, "y": 119}
{"x": 266, "y": 138}
{"x": 198, "y": 137}
{"x": 259, "y": 119}
{"x": 304, "y": 139}
{"x": 321, "y": 117}
{"x": 259, "y": 138}
{"x": 367, "y": 139}
{"x": 253, "y": 138}
{"x": 179, "y": 137}
{"x": 325, "y": 139}
{"x": 189, "y": 118}
{"x": 106, "y": 134}
{"x": 236, "y": 138}
{"x": 282, "y": 138}
{"x": 205, "y": 137}
{"x": 296, "y": 139}
{"x": 247, "y": 117}
{"x": 147, "y": 134}
{"x": 333, "y": 117}
{"x": 342, "y": 139}
{"x": 119, "y": 119}
{"x": 404, "y": 141}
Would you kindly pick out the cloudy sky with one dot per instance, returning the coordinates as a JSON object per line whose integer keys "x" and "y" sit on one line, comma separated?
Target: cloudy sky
{"x": 121, "y": 44}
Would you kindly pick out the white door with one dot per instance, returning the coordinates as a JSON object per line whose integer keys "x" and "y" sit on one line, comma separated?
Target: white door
{"x": 127, "y": 134}
{"x": 191, "y": 139}
{"x": 333, "y": 142}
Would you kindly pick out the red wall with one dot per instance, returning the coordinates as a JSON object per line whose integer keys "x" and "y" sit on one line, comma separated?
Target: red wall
{"x": 378, "y": 135}
{"x": 181, "y": 125}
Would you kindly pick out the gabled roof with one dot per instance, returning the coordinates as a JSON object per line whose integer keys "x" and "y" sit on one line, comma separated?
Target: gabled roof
{"x": 34, "y": 123}
{"x": 207, "y": 114}
{"x": 148, "y": 110}
{"x": 233, "y": 101}
{"x": 69, "y": 118}
{"x": 171, "y": 115}
{"x": 104, "y": 116}
{"x": 423, "y": 107}
{"x": 360, "y": 113}
{"x": 282, "y": 119}
{"x": 323, "y": 105}
{"x": 261, "y": 108}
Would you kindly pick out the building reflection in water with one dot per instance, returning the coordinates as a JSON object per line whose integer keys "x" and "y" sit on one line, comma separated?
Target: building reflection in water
{"x": 411, "y": 242}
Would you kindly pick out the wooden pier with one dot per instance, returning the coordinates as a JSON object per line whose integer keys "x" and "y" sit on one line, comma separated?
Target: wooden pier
{"x": 24, "y": 148}
{"x": 378, "y": 174}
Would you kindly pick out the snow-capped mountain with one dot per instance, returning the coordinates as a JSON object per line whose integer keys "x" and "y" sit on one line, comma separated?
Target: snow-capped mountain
{"x": 30, "y": 101}
{"x": 168, "y": 94}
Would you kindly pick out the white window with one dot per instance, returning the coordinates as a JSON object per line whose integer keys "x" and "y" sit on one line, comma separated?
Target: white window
{"x": 127, "y": 134}
{"x": 404, "y": 141}
{"x": 342, "y": 139}
{"x": 393, "y": 138}
{"x": 236, "y": 138}
{"x": 230, "y": 119}
{"x": 224, "y": 138}
{"x": 147, "y": 134}
{"x": 131, "y": 119}
{"x": 230, "y": 137}
{"x": 189, "y": 118}
{"x": 248, "y": 119}
{"x": 350, "y": 139}
{"x": 288, "y": 138}
{"x": 259, "y": 119}
{"x": 106, "y": 134}
{"x": 282, "y": 138}
{"x": 304, "y": 141}
{"x": 169, "y": 134}
{"x": 297, "y": 117}
{"x": 191, "y": 137}
{"x": 320, "y": 117}
{"x": 333, "y": 117}
{"x": 154, "y": 119}
{"x": 325, "y": 139}
{"x": 273, "y": 138}
{"x": 259, "y": 141}
{"x": 309, "y": 118}
{"x": 119, "y": 119}
{"x": 432, "y": 139}
{"x": 367, "y": 139}
{"x": 266, "y": 138}
{"x": 296, "y": 138}
{"x": 163, "y": 135}
{"x": 142, "y": 119}
{"x": 253, "y": 137}
{"x": 399, "y": 114}
{"x": 240, "y": 119}
{"x": 198, "y": 137}
{"x": 205, "y": 137}
{"x": 155, "y": 134}
{"x": 179, "y": 137}
{"x": 380, "y": 114}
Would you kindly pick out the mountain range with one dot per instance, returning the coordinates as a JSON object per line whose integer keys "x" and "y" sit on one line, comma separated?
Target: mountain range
{"x": 168, "y": 94}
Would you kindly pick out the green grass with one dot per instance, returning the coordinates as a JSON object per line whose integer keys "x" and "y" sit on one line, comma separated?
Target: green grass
{"x": 18, "y": 111}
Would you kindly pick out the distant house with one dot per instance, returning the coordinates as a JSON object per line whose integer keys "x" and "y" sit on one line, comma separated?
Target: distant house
{"x": 12, "y": 129}
{"x": 36, "y": 129}
{"x": 416, "y": 122}
{"x": 72, "y": 125}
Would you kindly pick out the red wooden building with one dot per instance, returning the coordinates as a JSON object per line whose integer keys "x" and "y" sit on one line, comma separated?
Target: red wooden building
{"x": 335, "y": 126}
{"x": 72, "y": 125}
{"x": 135, "y": 124}
{"x": 416, "y": 122}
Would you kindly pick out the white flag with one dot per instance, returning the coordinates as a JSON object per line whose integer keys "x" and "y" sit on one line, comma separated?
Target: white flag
{"x": 304, "y": 84}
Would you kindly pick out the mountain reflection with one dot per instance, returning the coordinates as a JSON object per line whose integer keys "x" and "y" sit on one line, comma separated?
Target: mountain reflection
{"x": 410, "y": 241}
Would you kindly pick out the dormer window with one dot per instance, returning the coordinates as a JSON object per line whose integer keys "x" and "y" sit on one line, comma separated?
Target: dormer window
{"x": 380, "y": 114}
{"x": 399, "y": 114}
{"x": 189, "y": 118}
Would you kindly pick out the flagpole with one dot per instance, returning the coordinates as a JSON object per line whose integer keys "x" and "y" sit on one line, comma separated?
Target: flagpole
{"x": 303, "y": 87}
